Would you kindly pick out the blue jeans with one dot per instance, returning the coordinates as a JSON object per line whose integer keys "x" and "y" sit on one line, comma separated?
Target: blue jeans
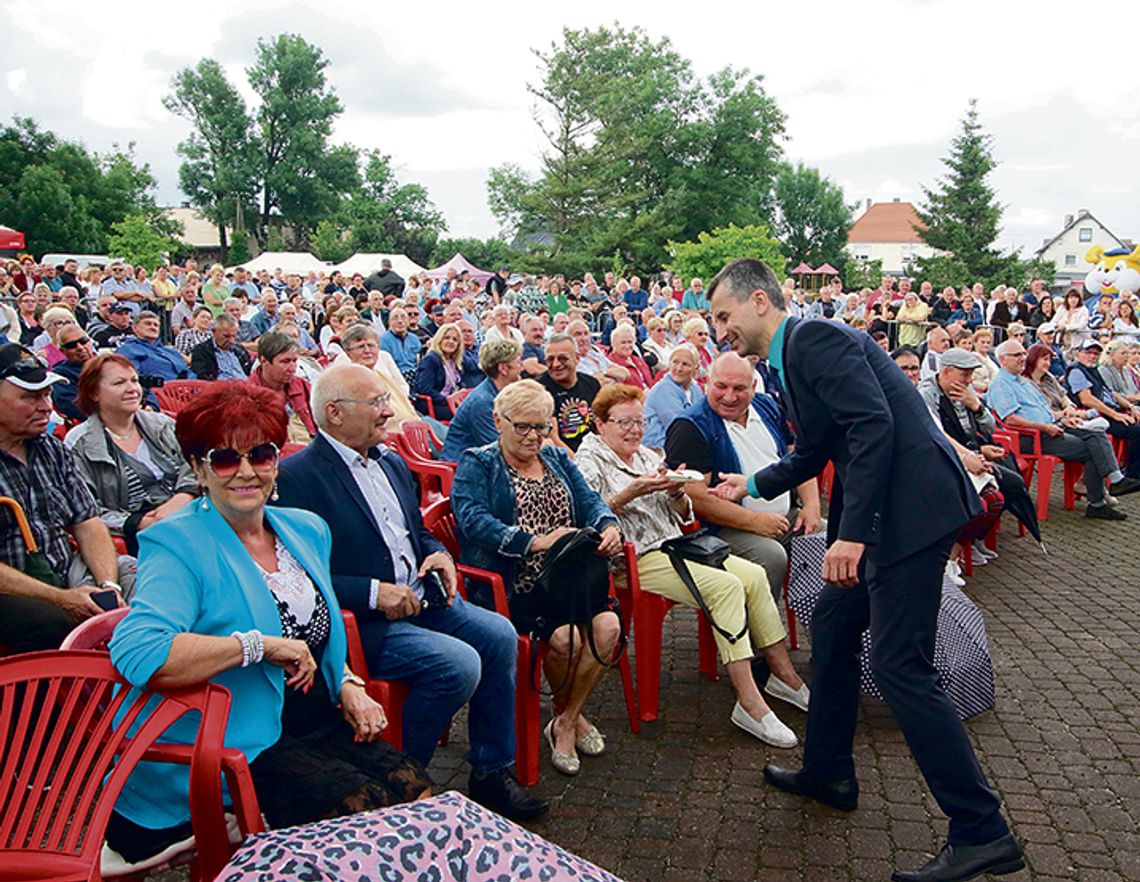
{"x": 451, "y": 657}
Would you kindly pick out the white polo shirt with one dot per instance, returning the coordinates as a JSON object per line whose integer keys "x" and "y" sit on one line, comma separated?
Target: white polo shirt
{"x": 756, "y": 449}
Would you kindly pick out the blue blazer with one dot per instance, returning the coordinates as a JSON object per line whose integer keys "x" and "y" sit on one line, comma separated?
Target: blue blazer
{"x": 899, "y": 485}
{"x": 316, "y": 479}
{"x": 195, "y": 577}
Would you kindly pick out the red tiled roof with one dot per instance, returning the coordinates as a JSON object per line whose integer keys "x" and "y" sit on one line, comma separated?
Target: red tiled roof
{"x": 887, "y": 222}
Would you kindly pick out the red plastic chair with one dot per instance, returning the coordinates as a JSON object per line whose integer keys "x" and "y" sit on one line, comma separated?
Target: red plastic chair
{"x": 176, "y": 394}
{"x": 389, "y": 694}
{"x": 1045, "y": 464}
{"x": 290, "y": 448}
{"x": 456, "y": 398}
{"x": 418, "y": 438}
{"x": 435, "y": 476}
{"x": 440, "y": 521}
{"x": 95, "y": 633}
{"x": 67, "y": 749}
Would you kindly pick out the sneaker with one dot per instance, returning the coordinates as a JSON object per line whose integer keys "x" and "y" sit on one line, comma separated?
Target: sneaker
{"x": 980, "y": 550}
{"x": 1124, "y": 486}
{"x": 1104, "y": 513}
{"x": 950, "y": 575}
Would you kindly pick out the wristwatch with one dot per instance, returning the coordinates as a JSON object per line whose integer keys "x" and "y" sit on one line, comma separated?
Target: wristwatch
{"x": 114, "y": 586}
{"x": 350, "y": 677}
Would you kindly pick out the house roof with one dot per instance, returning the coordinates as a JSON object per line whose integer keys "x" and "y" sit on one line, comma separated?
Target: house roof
{"x": 887, "y": 222}
{"x": 1076, "y": 221}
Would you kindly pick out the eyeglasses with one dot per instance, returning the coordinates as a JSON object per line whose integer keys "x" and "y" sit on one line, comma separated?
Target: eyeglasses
{"x": 224, "y": 462}
{"x": 82, "y": 341}
{"x": 630, "y": 423}
{"x": 378, "y": 403}
{"x": 524, "y": 429}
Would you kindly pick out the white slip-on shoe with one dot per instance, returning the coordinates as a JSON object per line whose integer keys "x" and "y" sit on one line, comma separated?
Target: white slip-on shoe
{"x": 769, "y": 730}
{"x": 777, "y": 688}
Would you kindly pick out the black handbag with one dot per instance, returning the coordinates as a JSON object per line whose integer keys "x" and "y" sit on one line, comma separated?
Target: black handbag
{"x": 703, "y": 548}
{"x": 572, "y": 587}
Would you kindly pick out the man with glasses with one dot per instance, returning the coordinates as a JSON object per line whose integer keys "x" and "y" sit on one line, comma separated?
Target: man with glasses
{"x": 43, "y": 595}
{"x": 573, "y": 392}
{"x": 220, "y": 358}
{"x": 123, "y": 287}
{"x": 1020, "y": 404}
{"x": 383, "y": 563}
{"x": 908, "y": 361}
{"x": 77, "y": 349}
{"x": 734, "y": 430}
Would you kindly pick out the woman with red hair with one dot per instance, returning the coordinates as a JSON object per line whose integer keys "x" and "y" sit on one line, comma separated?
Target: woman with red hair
{"x": 129, "y": 457}
{"x": 239, "y": 594}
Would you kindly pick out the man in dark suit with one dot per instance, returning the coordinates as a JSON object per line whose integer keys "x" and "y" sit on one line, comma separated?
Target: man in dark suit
{"x": 449, "y": 652}
{"x": 899, "y": 499}
{"x": 220, "y": 357}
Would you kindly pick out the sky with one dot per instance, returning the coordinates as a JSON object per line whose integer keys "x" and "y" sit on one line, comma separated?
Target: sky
{"x": 873, "y": 91}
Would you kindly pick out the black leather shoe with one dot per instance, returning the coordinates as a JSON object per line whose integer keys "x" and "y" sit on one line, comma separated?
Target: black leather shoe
{"x": 843, "y": 795}
{"x": 1105, "y": 513}
{"x": 957, "y": 863}
{"x": 501, "y": 792}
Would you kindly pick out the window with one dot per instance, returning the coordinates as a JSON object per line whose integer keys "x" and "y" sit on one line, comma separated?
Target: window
{"x": 909, "y": 252}
{"x": 1070, "y": 260}
{"x": 1086, "y": 234}
{"x": 861, "y": 252}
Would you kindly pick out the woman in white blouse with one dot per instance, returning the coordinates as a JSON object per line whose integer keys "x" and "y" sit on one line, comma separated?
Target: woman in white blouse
{"x": 632, "y": 480}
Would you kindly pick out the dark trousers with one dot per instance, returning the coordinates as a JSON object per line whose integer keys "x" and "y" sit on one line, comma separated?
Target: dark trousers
{"x": 1132, "y": 434}
{"x": 28, "y": 625}
{"x": 900, "y": 605}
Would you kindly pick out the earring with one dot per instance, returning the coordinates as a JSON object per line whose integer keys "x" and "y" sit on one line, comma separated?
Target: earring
{"x": 274, "y": 495}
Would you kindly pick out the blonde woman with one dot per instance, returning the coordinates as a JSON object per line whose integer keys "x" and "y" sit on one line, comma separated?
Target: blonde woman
{"x": 440, "y": 370}
{"x": 984, "y": 375}
{"x": 696, "y": 333}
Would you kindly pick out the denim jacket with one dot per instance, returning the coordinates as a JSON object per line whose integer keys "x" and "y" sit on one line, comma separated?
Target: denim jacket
{"x": 485, "y": 512}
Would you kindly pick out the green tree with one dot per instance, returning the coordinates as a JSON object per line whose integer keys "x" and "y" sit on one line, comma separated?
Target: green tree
{"x": 638, "y": 150}
{"x": 488, "y": 254}
{"x": 303, "y": 178}
{"x": 707, "y": 256}
{"x": 50, "y": 217}
{"x": 329, "y": 242}
{"x": 275, "y": 240}
{"x": 136, "y": 240}
{"x": 811, "y": 219}
{"x": 962, "y": 216}
{"x": 239, "y": 251}
{"x": 386, "y": 216}
{"x": 863, "y": 274}
{"x": 219, "y": 168}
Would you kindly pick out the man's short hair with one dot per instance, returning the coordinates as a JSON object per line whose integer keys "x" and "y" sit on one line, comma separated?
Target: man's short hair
{"x": 743, "y": 276}
{"x": 563, "y": 338}
{"x": 231, "y": 301}
{"x": 900, "y": 351}
{"x": 225, "y": 320}
{"x": 1003, "y": 348}
{"x": 144, "y": 314}
{"x": 357, "y": 333}
{"x": 497, "y": 352}
{"x": 273, "y": 344}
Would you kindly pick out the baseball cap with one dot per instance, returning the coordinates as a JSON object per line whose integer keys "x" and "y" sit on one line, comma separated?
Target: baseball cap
{"x": 1047, "y": 328}
{"x": 959, "y": 358}
{"x": 121, "y": 306}
{"x": 21, "y": 368}
{"x": 1091, "y": 344}
{"x": 515, "y": 279}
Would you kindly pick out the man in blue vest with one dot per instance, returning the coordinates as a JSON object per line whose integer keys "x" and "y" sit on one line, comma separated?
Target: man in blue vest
{"x": 736, "y": 430}
{"x": 899, "y": 498}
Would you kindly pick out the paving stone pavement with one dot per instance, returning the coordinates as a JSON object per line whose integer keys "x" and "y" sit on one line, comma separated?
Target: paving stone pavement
{"x": 684, "y": 801}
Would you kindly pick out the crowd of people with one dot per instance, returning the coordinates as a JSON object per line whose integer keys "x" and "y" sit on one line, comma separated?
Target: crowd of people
{"x": 566, "y": 408}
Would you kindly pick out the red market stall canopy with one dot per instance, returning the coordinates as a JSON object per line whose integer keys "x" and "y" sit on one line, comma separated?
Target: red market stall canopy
{"x": 11, "y": 240}
{"x": 825, "y": 270}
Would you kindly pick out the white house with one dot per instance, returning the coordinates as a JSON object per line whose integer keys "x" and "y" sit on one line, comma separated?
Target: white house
{"x": 1067, "y": 250}
{"x": 888, "y": 231}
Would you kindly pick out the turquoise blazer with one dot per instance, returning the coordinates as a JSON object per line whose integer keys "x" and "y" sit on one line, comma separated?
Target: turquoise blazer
{"x": 195, "y": 577}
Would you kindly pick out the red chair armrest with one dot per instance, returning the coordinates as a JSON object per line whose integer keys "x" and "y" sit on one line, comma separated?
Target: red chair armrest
{"x": 498, "y": 589}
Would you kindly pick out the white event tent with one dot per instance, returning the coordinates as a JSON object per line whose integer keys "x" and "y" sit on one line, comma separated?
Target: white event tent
{"x": 367, "y": 263}
{"x": 290, "y": 261}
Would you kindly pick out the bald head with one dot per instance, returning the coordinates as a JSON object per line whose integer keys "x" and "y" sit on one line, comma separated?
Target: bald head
{"x": 341, "y": 381}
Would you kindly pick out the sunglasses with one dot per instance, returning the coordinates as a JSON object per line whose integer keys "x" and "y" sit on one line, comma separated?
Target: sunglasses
{"x": 224, "y": 462}
{"x": 82, "y": 341}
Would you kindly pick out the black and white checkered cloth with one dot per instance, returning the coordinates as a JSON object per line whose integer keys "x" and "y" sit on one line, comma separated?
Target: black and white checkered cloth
{"x": 961, "y": 651}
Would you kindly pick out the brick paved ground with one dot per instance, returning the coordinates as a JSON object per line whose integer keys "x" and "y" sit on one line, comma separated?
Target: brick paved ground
{"x": 685, "y": 800}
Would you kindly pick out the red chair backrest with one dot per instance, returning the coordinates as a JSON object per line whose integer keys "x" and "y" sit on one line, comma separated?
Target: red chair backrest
{"x": 290, "y": 448}
{"x": 176, "y": 394}
{"x": 96, "y": 632}
{"x": 419, "y": 438}
{"x": 66, "y": 750}
{"x": 456, "y": 398}
{"x": 439, "y": 520}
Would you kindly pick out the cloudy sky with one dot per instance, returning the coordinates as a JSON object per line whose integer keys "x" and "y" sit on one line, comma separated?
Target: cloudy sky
{"x": 873, "y": 91}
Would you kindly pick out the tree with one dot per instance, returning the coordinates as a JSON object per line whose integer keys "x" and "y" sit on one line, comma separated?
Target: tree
{"x": 638, "y": 150}
{"x": 302, "y": 177}
{"x": 707, "y": 256}
{"x": 219, "y": 172}
{"x": 135, "y": 240}
{"x": 51, "y": 219}
{"x": 488, "y": 254}
{"x": 962, "y": 216}
{"x": 812, "y": 219}
{"x": 863, "y": 274}
{"x": 385, "y": 216}
{"x": 239, "y": 251}
{"x": 329, "y": 242}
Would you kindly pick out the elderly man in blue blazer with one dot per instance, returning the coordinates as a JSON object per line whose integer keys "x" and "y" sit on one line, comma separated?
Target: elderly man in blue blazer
{"x": 899, "y": 499}
{"x": 450, "y": 654}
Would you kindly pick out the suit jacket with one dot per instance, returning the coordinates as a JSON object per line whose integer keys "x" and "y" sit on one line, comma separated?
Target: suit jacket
{"x": 899, "y": 486}
{"x": 316, "y": 479}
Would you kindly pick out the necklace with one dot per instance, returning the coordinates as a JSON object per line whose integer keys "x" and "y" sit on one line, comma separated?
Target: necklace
{"x": 124, "y": 437}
